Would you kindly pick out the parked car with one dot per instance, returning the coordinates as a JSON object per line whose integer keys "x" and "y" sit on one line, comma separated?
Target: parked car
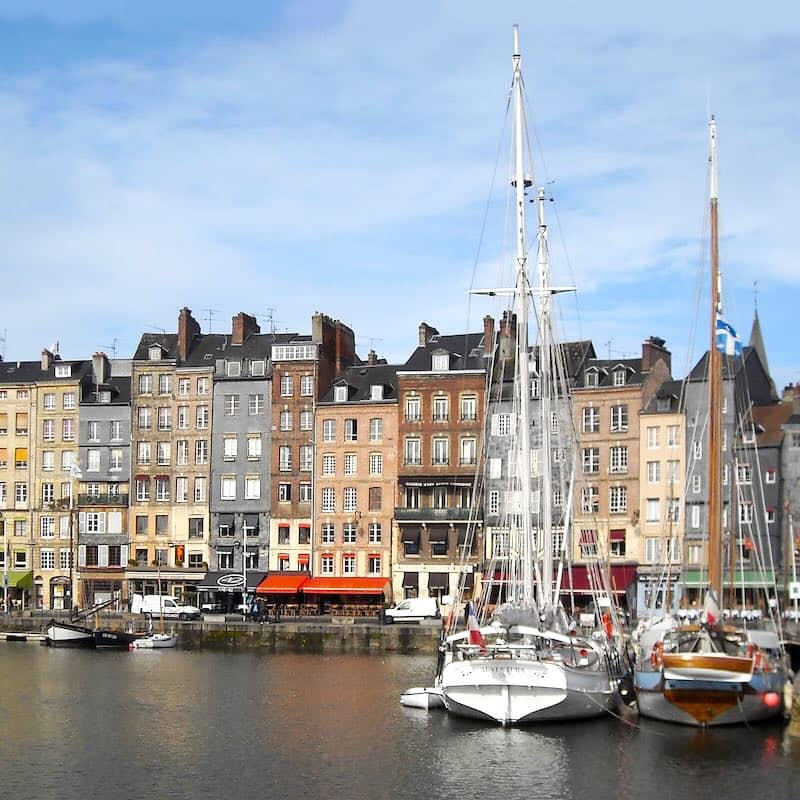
{"x": 413, "y": 610}
{"x": 158, "y": 604}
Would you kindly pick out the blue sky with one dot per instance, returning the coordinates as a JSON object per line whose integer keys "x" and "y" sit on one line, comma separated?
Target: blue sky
{"x": 338, "y": 156}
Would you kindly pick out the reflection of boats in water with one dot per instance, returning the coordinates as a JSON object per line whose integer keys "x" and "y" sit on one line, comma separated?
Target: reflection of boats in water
{"x": 713, "y": 672}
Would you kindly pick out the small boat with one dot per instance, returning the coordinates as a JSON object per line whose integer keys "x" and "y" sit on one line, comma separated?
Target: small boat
{"x": 65, "y": 634}
{"x": 106, "y": 638}
{"x": 155, "y": 641}
{"x": 425, "y": 697}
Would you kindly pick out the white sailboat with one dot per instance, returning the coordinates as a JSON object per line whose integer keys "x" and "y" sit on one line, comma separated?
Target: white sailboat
{"x": 522, "y": 661}
{"x": 712, "y": 672}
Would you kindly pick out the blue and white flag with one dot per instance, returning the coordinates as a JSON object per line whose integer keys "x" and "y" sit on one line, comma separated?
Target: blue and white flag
{"x": 727, "y": 340}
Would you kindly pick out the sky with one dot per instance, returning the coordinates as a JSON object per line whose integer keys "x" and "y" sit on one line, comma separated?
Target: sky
{"x": 284, "y": 158}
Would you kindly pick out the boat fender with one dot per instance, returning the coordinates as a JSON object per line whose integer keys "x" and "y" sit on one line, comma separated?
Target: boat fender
{"x": 608, "y": 626}
{"x": 754, "y": 652}
{"x": 656, "y": 655}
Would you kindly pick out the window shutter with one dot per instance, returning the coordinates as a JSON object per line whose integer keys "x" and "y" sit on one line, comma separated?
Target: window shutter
{"x": 495, "y": 467}
{"x": 82, "y": 522}
{"x": 114, "y": 522}
{"x": 81, "y": 555}
{"x": 123, "y": 554}
{"x": 101, "y": 522}
{"x": 102, "y": 555}
{"x": 495, "y": 424}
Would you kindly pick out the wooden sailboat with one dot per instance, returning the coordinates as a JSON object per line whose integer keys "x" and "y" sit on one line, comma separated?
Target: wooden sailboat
{"x": 711, "y": 673}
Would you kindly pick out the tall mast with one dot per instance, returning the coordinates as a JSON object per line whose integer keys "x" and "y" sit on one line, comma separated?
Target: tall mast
{"x": 714, "y": 393}
{"x": 521, "y": 294}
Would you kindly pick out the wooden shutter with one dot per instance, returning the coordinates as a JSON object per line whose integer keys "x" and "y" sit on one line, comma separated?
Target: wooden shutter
{"x": 102, "y": 555}
{"x": 81, "y": 555}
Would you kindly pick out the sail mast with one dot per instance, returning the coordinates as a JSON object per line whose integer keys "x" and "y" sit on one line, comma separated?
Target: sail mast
{"x": 523, "y": 366}
{"x": 714, "y": 392}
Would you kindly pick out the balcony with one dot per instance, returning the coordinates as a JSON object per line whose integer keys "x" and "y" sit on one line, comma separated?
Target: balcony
{"x": 104, "y": 499}
{"x": 433, "y": 514}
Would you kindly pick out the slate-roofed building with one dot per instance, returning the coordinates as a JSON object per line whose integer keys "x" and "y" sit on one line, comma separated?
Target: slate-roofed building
{"x": 356, "y": 468}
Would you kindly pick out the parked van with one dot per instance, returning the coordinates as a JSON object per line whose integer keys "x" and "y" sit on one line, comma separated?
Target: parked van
{"x": 156, "y": 604}
{"x": 413, "y": 610}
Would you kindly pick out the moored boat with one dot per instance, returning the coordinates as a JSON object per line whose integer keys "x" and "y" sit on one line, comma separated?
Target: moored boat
{"x": 155, "y": 641}
{"x": 107, "y": 638}
{"x": 65, "y": 634}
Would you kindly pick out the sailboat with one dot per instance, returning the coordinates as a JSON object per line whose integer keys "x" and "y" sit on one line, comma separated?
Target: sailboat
{"x": 520, "y": 660}
{"x": 711, "y": 672}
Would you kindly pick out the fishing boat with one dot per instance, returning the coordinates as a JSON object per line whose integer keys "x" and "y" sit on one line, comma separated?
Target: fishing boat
{"x": 112, "y": 638}
{"x": 67, "y": 634}
{"x": 717, "y": 666}
{"x": 519, "y": 659}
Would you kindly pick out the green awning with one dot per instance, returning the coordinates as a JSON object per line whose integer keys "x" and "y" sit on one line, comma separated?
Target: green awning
{"x": 742, "y": 579}
{"x": 17, "y": 579}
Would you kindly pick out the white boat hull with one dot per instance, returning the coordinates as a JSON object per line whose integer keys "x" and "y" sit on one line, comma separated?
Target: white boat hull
{"x": 61, "y": 634}
{"x": 425, "y": 697}
{"x": 522, "y": 691}
{"x": 156, "y": 641}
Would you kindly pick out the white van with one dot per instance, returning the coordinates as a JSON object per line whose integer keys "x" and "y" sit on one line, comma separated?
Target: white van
{"x": 156, "y": 604}
{"x": 413, "y": 610}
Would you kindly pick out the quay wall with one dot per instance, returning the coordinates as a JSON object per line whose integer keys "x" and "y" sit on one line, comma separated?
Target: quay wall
{"x": 290, "y": 636}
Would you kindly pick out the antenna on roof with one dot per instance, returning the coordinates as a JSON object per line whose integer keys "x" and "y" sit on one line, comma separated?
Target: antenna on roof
{"x": 269, "y": 315}
{"x": 209, "y": 315}
{"x": 112, "y": 347}
{"x": 372, "y": 340}
{"x": 157, "y": 328}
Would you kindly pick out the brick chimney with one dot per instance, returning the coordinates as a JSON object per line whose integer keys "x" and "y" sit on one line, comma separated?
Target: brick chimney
{"x": 653, "y": 349}
{"x": 242, "y": 327}
{"x": 425, "y": 333}
{"x": 488, "y": 334}
{"x": 101, "y": 369}
{"x": 47, "y": 359}
{"x": 372, "y": 358}
{"x": 188, "y": 328}
{"x": 791, "y": 394}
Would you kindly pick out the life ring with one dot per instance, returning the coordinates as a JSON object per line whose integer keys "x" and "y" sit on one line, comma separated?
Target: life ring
{"x": 656, "y": 655}
{"x": 754, "y": 652}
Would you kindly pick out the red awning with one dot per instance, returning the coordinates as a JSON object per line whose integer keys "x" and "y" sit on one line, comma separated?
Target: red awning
{"x": 622, "y": 575}
{"x": 303, "y": 558}
{"x": 617, "y": 535}
{"x": 345, "y": 585}
{"x": 281, "y": 583}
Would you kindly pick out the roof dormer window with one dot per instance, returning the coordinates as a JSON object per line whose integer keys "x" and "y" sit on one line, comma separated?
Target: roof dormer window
{"x": 440, "y": 362}
{"x": 257, "y": 368}
{"x": 104, "y": 396}
{"x": 63, "y": 370}
{"x": 340, "y": 394}
{"x": 590, "y": 379}
{"x": 376, "y": 392}
{"x": 154, "y": 353}
{"x": 233, "y": 369}
{"x": 619, "y": 377}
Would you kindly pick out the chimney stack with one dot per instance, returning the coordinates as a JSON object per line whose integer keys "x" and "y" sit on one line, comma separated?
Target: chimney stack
{"x": 47, "y": 360}
{"x": 188, "y": 328}
{"x": 653, "y": 349}
{"x": 425, "y": 333}
{"x": 372, "y": 358}
{"x": 488, "y": 335}
{"x": 101, "y": 369}
{"x": 242, "y": 327}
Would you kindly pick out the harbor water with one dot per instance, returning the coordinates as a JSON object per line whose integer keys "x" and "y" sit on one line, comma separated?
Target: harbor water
{"x": 178, "y": 724}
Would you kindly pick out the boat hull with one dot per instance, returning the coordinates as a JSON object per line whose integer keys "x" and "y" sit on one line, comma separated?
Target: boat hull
{"x": 703, "y": 703}
{"x": 156, "y": 641}
{"x": 111, "y": 639}
{"x": 522, "y": 691}
{"x": 64, "y": 634}
{"x": 425, "y": 697}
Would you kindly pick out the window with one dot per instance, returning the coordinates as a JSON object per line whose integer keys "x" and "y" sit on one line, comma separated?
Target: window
{"x": 181, "y": 490}
{"x": 49, "y": 401}
{"x": 591, "y": 419}
{"x": 469, "y": 451}
{"x": 47, "y": 527}
{"x": 163, "y": 453}
{"x": 617, "y": 499}
{"x": 305, "y": 492}
{"x": 349, "y": 531}
{"x": 115, "y": 430}
{"x": 328, "y": 533}
{"x": 350, "y": 463}
{"x": 307, "y": 385}
{"x": 771, "y": 516}
{"x": 252, "y": 487}
{"x": 619, "y": 377}
{"x": 285, "y": 458}
{"x": 441, "y": 408}
{"x": 145, "y": 383}
{"x": 200, "y": 490}
{"x": 182, "y": 452}
{"x": 142, "y": 489}
{"x": 673, "y": 509}
{"x": 48, "y": 493}
{"x": 376, "y": 464}
{"x": 68, "y": 401}
{"x": 697, "y": 450}
{"x": 202, "y": 386}
{"x": 255, "y": 404}
{"x": 230, "y": 446}
{"x": 164, "y": 383}
{"x": 696, "y": 484}
{"x": 375, "y": 498}
{"x": 618, "y": 459}
{"x": 469, "y": 408}
{"x": 326, "y": 564}
{"x": 306, "y": 420}
{"x": 695, "y": 516}
{"x": 554, "y": 422}
{"x": 744, "y": 474}
{"x": 652, "y": 437}
{"x": 93, "y": 460}
{"x": 165, "y": 418}
{"x": 328, "y": 464}
{"x": 348, "y": 564}
{"x": 228, "y": 487}
{"x": 233, "y": 369}
{"x": 286, "y": 420}
{"x": 619, "y": 418}
{"x": 225, "y": 559}
{"x": 440, "y": 362}
{"x": 653, "y": 471}
{"x": 673, "y": 469}
{"x": 746, "y": 513}
{"x": 47, "y": 559}
{"x": 183, "y": 417}
{"x": 493, "y": 506}
{"x": 588, "y": 543}
{"x": 351, "y": 430}
{"x": 374, "y": 564}
{"x": 253, "y": 446}
{"x": 590, "y": 379}
{"x": 591, "y": 460}
{"x": 284, "y": 534}
{"x": 375, "y": 533}
{"x": 376, "y": 429}
{"x": 328, "y": 500}
{"x": 413, "y": 407}
{"x": 617, "y": 543}
{"x": 49, "y": 430}
{"x": 93, "y": 431}
{"x": 329, "y": 430}
{"x": 652, "y": 549}
{"x": 441, "y": 451}
{"x": 20, "y": 457}
{"x": 770, "y": 475}
{"x": 412, "y": 496}
{"x": 143, "y": 453}
{"x": 350, "y": 499}
{"x": 590, "y": 499}
{"x": 162, "y": 489}
{"x": 673, "y": 436}
{"x": 286, "y": 386}
{"x": 145, "y": 417}
{"x": 412, "y": 447}
{"x": 231, "y": 404}
{"x": 68, "y": 430}
{"x": 201, "y": 451}
{"x": 184, "y": 387}
{"x": 306, "y": 457}
{"x": 202, "y": 417}
{"x": 340, "y": 394}
{"x": 653, "y": 509}
{"x": 258, "y": 367}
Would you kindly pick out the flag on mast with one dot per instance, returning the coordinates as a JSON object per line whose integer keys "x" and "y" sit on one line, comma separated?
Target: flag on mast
{"x": 711, "y": 610}
{"x": 728, "y": 341}
{"x": 475, "y": 635}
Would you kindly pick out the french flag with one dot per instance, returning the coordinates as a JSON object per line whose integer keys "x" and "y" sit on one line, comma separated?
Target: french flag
{"x": 711, "y": 610}
{"x": 475, "y": 635}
